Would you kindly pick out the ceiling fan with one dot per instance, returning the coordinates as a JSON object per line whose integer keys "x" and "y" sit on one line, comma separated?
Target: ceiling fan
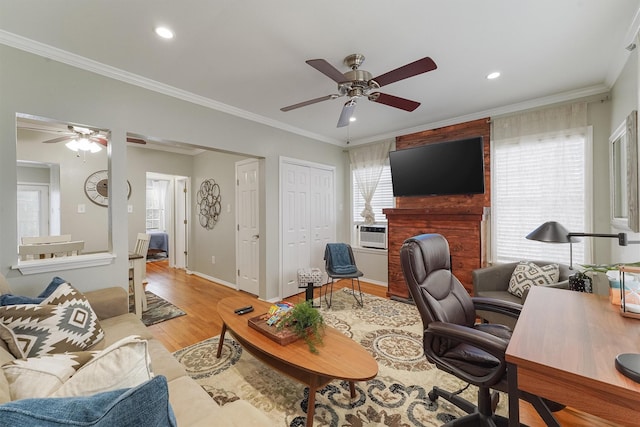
{"x": 78, "y": 132}
{"x": 360, "y": 83}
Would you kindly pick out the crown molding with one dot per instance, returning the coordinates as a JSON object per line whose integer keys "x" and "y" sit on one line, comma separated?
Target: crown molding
{"x": 59, "y": 55}
{"x": 590, "y": 91}
{"x": 47, "y": 51}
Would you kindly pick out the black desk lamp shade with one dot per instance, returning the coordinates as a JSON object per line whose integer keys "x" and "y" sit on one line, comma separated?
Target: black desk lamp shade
{"x": 553, "y": 232}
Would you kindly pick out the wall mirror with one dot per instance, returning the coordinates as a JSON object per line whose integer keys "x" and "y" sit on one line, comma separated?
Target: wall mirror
{"x": 56, "y": 196}
{"x": 623, "y": 166}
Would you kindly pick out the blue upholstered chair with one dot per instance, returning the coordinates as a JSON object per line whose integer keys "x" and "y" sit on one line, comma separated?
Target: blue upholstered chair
{"x": 340, "y": 263}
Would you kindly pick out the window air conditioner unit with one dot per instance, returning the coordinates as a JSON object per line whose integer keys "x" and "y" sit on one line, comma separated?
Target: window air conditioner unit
{"x": 373, "y": 236}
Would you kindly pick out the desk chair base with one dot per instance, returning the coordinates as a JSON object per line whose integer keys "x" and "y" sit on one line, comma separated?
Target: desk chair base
{"x": 480, "y": 416}
{"x": 328, "y": 302}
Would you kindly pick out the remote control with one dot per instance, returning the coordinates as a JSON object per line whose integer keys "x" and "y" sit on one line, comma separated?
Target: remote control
{"x": 238, "y": 310}
{"x": 245, "y": 310}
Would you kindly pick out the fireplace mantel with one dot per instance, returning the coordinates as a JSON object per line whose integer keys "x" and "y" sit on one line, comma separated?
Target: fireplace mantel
{"x": 464, "y": 229}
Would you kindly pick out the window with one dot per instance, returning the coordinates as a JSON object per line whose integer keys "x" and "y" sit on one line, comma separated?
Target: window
{"x": 33, "y": 211}
{"x": 382, "y": 199}
{"x": 539, "y": 178}
{"x": 156, "y": 194}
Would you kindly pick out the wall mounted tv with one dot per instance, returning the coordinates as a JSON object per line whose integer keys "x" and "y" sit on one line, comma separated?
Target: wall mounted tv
{"x": 441, "y": 168}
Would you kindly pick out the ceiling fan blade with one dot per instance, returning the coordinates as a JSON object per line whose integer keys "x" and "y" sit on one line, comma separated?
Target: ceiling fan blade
{"x": 347, "y": 112}
{"x": 413, "y": 69}
{"x": 59, "y": 139}
{"x": 327, "y": 69}
{"x": 136, "y": 140}
{"x": 394, "y": 101}
{"x": 309, "y": 102}
{"x": 100, "y": 140}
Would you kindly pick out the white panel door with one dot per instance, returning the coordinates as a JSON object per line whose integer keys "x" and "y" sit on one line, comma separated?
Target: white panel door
{"x": 295, "y": 224}
{"x": 248, "y": 227}
{"x": 181, "y": 223}
{"x": 323, "y": 222}
{"x": 308, "y": 219}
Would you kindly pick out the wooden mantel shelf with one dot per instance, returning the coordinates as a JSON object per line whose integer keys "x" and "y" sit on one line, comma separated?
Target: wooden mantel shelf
{"x": 466, "y": 213}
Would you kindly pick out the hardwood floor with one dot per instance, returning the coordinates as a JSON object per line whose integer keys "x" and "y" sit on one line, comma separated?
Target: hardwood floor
{"x": 198, "y": 298}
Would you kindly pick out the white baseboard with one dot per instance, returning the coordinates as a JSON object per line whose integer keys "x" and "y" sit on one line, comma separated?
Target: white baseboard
{"x": 213, "y": 279}
{"x": 374, "y": 282}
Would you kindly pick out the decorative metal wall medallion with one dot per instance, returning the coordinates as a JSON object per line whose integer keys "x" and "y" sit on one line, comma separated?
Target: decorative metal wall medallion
{"x": 209, "y": 206}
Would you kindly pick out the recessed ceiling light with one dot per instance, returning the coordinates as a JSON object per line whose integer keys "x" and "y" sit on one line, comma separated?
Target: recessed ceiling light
{"x": 493, "y": 75}
{"x": 164, "y": 32}
{"x": 352, "y": 119}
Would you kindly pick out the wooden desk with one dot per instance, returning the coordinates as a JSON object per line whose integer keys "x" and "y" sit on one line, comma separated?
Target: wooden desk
{"x": 137, "y": 263}
{"x": 563, "y": 348}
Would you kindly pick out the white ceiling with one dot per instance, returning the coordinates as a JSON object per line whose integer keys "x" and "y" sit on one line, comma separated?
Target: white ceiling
{"x": 247, "y": 57}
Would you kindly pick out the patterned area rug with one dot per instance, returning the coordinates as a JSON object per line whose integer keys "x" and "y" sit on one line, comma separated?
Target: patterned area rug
{"x": 391, "y": 331}
{"x": 158, "y": 309}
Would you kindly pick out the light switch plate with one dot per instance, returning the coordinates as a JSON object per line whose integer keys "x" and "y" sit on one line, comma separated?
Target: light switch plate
{"x": 82, "y": 208}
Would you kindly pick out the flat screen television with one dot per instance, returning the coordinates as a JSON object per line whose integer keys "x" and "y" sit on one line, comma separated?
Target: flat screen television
{"x": 441, "y": 168}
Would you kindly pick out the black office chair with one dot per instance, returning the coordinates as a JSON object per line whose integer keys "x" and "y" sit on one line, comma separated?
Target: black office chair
{"x": 339, "y": 263}
{"x": 453, "y": 341}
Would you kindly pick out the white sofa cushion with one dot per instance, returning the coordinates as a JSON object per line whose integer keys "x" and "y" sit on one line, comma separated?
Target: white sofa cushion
{"x": 124, "y": 364}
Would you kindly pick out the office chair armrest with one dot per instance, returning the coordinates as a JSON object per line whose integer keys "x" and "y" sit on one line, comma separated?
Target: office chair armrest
{"x": 483, "y": 340}
{"x": 495, "y": 305}
{"x": 491, "y": 344}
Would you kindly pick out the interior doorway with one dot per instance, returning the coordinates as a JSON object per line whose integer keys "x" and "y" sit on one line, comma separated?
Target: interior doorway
{"x": 166, "y": 217}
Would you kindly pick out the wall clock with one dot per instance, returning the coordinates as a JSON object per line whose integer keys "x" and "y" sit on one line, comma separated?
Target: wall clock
{"x": 96, "y": 187}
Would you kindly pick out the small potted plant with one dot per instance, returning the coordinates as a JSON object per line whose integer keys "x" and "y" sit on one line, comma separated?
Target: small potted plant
{"x": 306, "y": 322}
{"x": 612, "y": 274}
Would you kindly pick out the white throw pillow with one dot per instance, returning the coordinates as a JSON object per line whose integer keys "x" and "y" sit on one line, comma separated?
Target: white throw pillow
{"x": 527, "y": 274}
{"x": 123, "y": 364}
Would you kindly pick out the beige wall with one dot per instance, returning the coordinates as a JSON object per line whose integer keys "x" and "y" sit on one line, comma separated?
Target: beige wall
{"x": 625, "y": 99}
{"x": 220, "y": 241}
{"x": 139, "y": 162}
{"x": 34, "y": 85}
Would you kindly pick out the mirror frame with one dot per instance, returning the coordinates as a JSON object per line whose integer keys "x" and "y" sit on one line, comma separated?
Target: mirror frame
{"x": 624, "y": 180}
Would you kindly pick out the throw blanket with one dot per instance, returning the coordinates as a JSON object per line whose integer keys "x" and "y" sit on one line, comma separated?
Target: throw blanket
{"x": 339, "y": 258}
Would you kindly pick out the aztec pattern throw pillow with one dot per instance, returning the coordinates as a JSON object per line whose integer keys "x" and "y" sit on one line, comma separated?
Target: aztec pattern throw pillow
{"x": 527, "y": 274}
{"x": 63, "y": 322}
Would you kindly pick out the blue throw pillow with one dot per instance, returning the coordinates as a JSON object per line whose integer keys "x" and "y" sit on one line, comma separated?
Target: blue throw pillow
{"x": 9, "y": 299}
{"x": 55, "y": 282}
{"x": 146, "y": 405}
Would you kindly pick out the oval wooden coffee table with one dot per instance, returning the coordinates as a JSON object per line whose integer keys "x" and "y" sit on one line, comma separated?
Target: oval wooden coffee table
{"x": 339, "y": 357}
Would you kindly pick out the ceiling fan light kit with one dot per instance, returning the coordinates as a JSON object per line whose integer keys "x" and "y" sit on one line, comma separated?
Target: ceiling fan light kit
{"x": 83, "y": 144}
{"x": 358, "y": 83}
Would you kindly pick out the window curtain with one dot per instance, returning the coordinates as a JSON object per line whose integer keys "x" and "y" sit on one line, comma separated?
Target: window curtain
{"x": 540, "y": 173}
{"x": 366, "y": 164}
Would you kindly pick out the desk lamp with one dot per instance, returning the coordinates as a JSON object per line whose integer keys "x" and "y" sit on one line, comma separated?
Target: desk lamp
{"x": 553, "y": 232}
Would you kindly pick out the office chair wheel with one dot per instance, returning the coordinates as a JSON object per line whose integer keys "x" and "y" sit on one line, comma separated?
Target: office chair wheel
{"x": 495, "y": 399}
{"x": 432, "y": 396}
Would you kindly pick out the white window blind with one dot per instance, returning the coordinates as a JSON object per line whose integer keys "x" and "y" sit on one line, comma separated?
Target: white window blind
{"x": 539, "y": 178}
{"x": 382, "y": 198}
